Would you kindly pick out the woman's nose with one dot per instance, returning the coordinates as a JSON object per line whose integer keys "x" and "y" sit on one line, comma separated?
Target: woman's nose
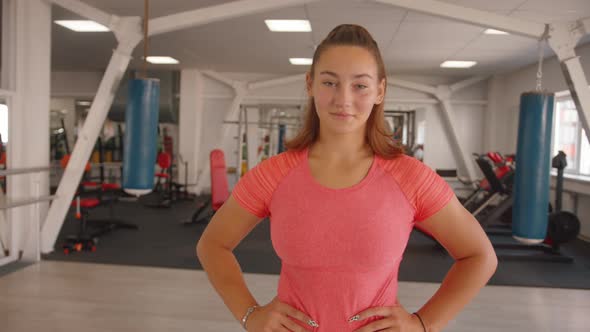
{"x": 343, "y": 97}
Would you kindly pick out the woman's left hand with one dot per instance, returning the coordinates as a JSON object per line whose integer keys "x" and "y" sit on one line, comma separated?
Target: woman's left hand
{"x": 395, "y": 319}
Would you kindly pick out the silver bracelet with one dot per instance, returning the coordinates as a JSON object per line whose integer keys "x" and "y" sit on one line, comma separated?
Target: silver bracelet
{"x": 245, "y": 318}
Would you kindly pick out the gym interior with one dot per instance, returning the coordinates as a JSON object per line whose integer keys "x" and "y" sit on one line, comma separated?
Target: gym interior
{"x": 121, "y": 136}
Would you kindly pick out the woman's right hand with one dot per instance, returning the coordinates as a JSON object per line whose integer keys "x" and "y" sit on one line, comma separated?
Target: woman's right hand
{"x": 275, "y": 317}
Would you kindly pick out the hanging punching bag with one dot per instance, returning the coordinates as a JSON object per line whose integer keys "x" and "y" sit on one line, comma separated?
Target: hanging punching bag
{"x": 141, "y": 130}
{"x": 533, "y": 161}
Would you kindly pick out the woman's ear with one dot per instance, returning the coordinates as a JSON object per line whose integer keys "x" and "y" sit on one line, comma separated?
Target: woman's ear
{"x": 308, "y": 84}
{"x": 381, "y": 92}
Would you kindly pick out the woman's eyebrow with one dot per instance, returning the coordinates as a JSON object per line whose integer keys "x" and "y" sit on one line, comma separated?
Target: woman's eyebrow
{"x": 330, "y": 73}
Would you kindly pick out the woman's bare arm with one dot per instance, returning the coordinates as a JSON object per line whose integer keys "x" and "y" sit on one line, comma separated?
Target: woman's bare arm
{"x": 226, "y": 230}
{"x": 475, "y": 263}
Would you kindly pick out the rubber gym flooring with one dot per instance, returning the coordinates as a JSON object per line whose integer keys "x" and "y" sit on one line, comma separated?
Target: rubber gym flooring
{"x": 162, "y": 241}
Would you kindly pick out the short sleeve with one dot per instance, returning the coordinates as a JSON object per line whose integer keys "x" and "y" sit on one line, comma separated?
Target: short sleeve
{"x": 255, "y": 189}
{"x": 250, "y": 192}
{"x": 425, "y": 190}
{"x": 432, "y": 192}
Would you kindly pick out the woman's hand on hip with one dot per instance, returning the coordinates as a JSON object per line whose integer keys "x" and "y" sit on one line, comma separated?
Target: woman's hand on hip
{"x": 395, "y": 319}
{"x": 275, "y": 317}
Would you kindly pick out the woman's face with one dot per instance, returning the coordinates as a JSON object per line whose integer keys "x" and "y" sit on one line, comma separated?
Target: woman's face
{"x": 345, "y": 87}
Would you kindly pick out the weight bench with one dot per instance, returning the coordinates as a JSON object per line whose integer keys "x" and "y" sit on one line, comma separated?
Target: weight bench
{"x": 219, "y": 190}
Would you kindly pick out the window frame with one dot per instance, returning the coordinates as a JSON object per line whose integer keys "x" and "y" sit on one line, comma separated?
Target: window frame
{"x": 575, "y": 171}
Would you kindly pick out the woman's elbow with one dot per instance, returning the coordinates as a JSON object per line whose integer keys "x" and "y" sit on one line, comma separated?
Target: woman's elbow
{"x": 201, "y": 247}
{"x": 490, "y": 260}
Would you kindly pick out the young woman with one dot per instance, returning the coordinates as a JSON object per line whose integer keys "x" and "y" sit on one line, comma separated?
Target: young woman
{"x": 342, "y": 202}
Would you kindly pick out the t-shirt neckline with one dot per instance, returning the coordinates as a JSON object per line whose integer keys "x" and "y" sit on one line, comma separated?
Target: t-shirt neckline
{"x": 354, "y": 187}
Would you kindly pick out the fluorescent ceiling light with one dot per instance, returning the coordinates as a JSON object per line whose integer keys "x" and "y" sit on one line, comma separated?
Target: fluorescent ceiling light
{"x": 301, "y": 61}
{"x": 166, "y": 60}
{"x": 82, "y": 26}
{"x": 288, "y": 25}
{"x": 495, "y": 32}
{"x": 458, "y": 64}
{"x": 83, "y": 103}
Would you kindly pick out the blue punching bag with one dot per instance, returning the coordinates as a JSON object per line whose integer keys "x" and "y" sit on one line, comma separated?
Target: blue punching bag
{"x": 141, "y": 136}
{"x": 533, "y": 164}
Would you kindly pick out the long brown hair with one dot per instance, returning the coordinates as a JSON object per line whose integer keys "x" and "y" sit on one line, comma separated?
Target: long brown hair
{"x": 378, "y": 133}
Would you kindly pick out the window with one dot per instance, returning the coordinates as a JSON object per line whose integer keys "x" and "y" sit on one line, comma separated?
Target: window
{"x": 569, "y": 137}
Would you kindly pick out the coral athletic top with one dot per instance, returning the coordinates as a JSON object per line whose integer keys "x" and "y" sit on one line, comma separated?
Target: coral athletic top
{"x": 340, "y": 248}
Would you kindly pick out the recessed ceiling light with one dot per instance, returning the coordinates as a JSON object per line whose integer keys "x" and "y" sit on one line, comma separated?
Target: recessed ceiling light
{"x": 495, "y": 32}
{"x": 301, "y": 61}
{"x": 82, "y": 25}
{"x": 288, "y": 25}
{"x": 458, "y": 64}
{"x": 161, "y": 60}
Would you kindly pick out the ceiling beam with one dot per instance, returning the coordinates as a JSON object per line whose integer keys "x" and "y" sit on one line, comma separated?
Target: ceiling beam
{"x": 222, "y": 12}
{"x": 411, "y": 85}
{"x": 219, "y": 77}
{"x": 466, "y": 83}
{"x": 477, "y": 17}
{"x": 87, "y": 11}
{"x": 276, "y": 81}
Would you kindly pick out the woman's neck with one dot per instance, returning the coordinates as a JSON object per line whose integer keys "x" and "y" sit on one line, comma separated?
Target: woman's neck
{"x": 341, "y": 148}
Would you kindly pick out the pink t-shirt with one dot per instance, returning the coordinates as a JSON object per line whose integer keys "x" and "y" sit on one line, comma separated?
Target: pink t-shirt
{"x": 340, "y": 248}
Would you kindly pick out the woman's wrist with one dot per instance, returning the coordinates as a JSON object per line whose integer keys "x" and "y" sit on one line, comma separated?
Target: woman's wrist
{"x": 247, "y": 315}
{"x": 420, "y": 321}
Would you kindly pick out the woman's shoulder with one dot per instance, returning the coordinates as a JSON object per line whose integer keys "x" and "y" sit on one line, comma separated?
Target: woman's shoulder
{"x": 400, "y": 164}
{"x": 281, "y": 163}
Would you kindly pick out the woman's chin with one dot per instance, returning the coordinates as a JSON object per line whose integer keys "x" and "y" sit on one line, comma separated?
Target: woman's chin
{"x": 343, "y": 129}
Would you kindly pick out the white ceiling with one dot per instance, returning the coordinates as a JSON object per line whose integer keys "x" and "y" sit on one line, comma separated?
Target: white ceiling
{"x": 411, "y": 43}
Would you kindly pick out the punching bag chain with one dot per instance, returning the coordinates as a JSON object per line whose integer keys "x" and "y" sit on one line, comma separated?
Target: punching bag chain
{"x": 541, "y": 50}
{"x": 146, "y": 17}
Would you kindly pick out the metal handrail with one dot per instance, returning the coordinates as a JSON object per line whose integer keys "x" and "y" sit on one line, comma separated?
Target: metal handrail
{"x": 28, "y": 201}
{"x": 16, "y": 171}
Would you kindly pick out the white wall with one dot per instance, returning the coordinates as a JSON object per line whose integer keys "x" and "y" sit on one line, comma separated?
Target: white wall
{"x": 75, "y": 84}
{"x": 512, "y": 85}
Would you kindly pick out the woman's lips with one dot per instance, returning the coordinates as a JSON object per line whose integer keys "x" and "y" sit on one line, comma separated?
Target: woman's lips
{"x": 342, "y": 115}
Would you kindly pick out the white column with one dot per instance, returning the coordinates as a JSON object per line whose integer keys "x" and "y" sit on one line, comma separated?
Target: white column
{"x": 463, "y": 160}
{"x": 253, "y": 135}
{"x": 190, "y": 123}
{"x": 28, "y": 140}
{"x": 224, "y": 139}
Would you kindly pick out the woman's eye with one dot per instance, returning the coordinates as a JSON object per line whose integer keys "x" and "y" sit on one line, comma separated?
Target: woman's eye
{"x": 361, "y": 86}
{"x": 329, "y": 83}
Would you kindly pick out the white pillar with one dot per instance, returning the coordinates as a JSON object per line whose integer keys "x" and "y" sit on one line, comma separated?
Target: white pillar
{"x": 30, "y": 61}
{"x": 190, "y": 123}
{"x": 463, "y": 160}
{"x": 253, "y": 135}
{"x": 224, "y": 139}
